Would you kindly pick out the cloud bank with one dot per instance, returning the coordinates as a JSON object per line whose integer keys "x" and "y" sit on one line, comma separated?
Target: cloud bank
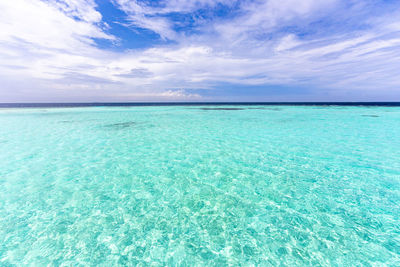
{"x": 199, "y": 50}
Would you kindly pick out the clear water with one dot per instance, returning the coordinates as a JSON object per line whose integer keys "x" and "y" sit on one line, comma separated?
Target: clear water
{"x": 184, "y": 186}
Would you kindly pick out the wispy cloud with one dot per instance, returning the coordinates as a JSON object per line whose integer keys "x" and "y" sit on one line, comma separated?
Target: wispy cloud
{"x": 82, "y": 9}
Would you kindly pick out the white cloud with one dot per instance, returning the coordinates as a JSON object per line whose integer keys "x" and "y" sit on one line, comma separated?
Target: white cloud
{"x": 43, "y": 25}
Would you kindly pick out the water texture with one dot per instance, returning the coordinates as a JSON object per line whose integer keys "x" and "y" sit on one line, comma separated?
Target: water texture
{"x": 200, "y": 186}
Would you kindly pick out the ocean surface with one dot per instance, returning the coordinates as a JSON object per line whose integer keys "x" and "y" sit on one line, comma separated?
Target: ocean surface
{"x": 241, "y": 185}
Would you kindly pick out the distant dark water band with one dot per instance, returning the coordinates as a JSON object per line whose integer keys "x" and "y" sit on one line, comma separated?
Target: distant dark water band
{"x": 61, "y": 105}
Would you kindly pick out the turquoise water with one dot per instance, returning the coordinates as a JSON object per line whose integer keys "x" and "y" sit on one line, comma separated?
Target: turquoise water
{"x": 188, "y": 186}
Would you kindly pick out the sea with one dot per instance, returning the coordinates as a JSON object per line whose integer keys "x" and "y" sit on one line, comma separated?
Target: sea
{"x": 200, "y": 184}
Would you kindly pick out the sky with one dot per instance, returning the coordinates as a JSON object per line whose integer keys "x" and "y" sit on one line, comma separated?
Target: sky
{"x": 199, "y": 50}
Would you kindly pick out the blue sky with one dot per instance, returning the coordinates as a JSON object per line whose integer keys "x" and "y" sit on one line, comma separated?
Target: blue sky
{"x": 199, "y": 50}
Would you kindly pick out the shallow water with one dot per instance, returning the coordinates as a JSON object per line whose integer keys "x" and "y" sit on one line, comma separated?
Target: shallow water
{"x": 200, "y": 186}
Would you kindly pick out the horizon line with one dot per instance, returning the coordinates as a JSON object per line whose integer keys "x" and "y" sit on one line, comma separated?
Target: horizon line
{"x": 183, "y": 103}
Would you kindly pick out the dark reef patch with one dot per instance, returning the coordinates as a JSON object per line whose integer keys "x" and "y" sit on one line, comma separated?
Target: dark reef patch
{"x": 266, "y": 108}
{"x": 46, "y": 113}
{"x": 222, "y": 108}
{"x": 372, "y": 116}
{"x": 274, "y": 109}
{"x": 120, "y": 125}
